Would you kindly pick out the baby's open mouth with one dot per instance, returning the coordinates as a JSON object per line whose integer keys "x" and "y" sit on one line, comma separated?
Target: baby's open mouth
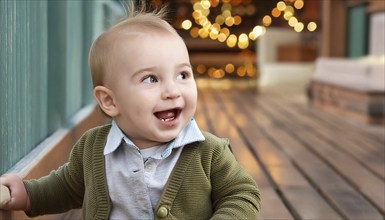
{"x": 168, "y": 115}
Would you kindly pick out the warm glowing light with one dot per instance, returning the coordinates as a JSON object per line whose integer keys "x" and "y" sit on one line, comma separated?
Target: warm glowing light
{"x": 266, "y": 20}
{"x": 299, "y": 27}
{"x": 312, "y": 26}
{"x": 226, "y": 13}
{"x": 289, "y": 9}
{"x": 250, "y": 70}
{"x": 196, "y": 15}
{"x": 210, "y": 71}
{"x": 229, "y": 21}
{"x": 243, "y": 41}
{"x": 243, "y": 37}
{"x": 222, "y": 37}
{"x": 287, "y": 15}
{"x": 205, "y": 4}
{"x": 231, "y": 40}
{"x": 213, "y": 35}
{"x": 207, "y": 25}
{"x": 206, "y": 12}
{"x": 186, "y": 24}
{"x": 229, "y": 68}
{"x": 237, "y": 20}
{"x": 218, "y": 73}
{"x": 298, "y": 4}
{"x": 241, "y": 71}
{"x": 281, "y": 5}
{"x": 226, "y": 7}
{"x": 214, "y": 3}
{"x": 259, "y": 30}
{"x": 203, "y": 33}
{"x": 201, "y": 68}
{"x": 252, "y": 36}
{"x": 220, "y": 19}
{"x": 231, "y": 12}
{"x": 203, "y": 21}
{"x": 225, "y": 31}
{"x": 215, "y": 28}
{"x": 293, "y": 21}
{"x": 197, "y": 6}
{"x": 194, "y": 32}
{"x": 275, "y": 12}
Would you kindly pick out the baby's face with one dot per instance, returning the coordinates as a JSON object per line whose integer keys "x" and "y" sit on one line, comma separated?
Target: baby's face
{"x": 153, "y": 87}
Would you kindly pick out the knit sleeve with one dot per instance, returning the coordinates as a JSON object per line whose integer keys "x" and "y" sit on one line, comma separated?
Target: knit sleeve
{"x": 62, "y": 189}
{"x": 235, "y": 194}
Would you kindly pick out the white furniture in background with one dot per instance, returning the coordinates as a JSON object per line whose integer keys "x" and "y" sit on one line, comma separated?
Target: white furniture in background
{"x": 272, "y": 71}
{"x": 351, "y": 87}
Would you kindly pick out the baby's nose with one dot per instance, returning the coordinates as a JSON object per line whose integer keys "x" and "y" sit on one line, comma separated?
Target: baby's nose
{"x": 170, "y": 91}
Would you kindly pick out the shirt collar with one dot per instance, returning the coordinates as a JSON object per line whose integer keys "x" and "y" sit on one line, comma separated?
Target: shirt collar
{"x": 189, "y": 134}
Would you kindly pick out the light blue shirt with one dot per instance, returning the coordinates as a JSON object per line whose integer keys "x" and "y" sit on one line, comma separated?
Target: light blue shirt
{"x": 135, "y": 177}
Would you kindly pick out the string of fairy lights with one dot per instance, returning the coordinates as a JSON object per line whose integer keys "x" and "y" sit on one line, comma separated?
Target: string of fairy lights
{"x": 230, "y": 15}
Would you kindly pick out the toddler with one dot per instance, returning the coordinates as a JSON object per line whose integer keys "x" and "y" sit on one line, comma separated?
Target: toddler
{"x": 152, "y": 161}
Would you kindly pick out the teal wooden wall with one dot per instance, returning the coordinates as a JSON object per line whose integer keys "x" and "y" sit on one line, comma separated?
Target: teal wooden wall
{"x": 357, "y": 31}
{"x": 44, "y": 77}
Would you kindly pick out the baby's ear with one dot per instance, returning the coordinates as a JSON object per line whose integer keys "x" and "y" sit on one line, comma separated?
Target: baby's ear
{"x": 106, "y": 100}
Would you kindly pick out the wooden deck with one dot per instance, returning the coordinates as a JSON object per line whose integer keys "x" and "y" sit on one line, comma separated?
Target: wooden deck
{"x": 308, "y": 163}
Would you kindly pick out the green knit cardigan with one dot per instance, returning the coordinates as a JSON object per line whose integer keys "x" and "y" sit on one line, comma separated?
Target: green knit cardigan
{"x": 206, "y": 183}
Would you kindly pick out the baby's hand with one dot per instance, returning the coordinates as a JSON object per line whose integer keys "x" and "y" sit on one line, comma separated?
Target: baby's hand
{"x": 19, "y": 199}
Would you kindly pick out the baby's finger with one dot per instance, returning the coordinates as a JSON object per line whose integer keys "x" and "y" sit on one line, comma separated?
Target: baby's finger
{"x": 5, "y": 196}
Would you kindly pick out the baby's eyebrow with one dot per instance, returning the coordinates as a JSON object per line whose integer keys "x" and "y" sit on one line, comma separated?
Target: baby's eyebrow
{"x": 147, "y": 69}
{"x": 184, "y": 65}
{"x": 153, "y": 68}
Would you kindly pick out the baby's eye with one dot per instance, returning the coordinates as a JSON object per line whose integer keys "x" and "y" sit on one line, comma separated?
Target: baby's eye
{"x": 183, "y": 75}
{"x": 150, "y": 79}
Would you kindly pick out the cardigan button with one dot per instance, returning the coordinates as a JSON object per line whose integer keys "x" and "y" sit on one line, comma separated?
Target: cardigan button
{"x": 162, "y": 212}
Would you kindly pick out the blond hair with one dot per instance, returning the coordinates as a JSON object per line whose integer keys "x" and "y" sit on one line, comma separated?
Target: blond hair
{"x": 138, "y": 18}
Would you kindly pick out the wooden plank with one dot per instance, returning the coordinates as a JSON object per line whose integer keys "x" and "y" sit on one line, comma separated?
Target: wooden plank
{"x": 325, "y": 179}
{"x": 365, "y": 210}
{"x": 314, "y": 119}
{"x": 371, "y": 159}
{"x": 284, "y": 174}
{"x": 365, "y": 182}
{"x": 370, "y": 156}
{"x": 272, "y": 205}
{"x": 344, "y": 164}
{"x": 292, "y": 183}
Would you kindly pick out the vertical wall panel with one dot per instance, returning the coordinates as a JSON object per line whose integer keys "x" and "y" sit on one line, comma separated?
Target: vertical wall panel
{"x": 74, "y": 57}
{"x": 22, "y": 69}
{"x": 57, "y": 23}
{"x": 44, "y": 76}
{"x": 90, "y": 10}
{"x": 38, "y": 66}
{"x": 357, "y": 31}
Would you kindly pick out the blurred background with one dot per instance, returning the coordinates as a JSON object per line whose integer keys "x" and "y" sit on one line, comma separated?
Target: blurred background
{"x": 322, "y": 61}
